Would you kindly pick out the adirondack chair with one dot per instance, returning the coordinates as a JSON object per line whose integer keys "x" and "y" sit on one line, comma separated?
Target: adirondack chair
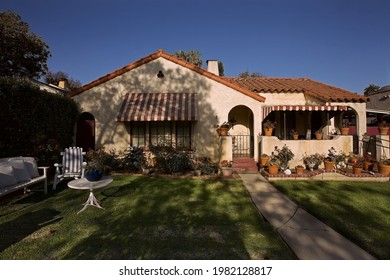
{"x": 72, "y": 165}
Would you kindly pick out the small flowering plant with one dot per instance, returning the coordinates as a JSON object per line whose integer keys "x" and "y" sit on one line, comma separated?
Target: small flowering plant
{"x": 294, "y": 132}
{"x": 268, "y": 124}
{"x": 383, "y": 124}
{"x": 345, "y": 123}
{"x": 226, "y": 163}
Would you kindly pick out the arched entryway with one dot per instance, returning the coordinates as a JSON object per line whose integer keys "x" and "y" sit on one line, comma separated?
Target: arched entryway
{"x": 85, "y": 136}
{"x": 241, "y": 118}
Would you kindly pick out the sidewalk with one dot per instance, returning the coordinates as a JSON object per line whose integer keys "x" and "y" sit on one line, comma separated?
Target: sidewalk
{"x": 308, "y": 238}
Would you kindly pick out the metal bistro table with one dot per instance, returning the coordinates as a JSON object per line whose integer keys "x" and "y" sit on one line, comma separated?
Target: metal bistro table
{"x": 84, "y": 184}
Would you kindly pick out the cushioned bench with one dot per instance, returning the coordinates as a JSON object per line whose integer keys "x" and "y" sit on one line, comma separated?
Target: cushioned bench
{"x": 20, "y": 172}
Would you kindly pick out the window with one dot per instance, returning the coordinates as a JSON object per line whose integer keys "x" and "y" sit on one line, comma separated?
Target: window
{"x": 160, "y": 133}
{"x": 138, "y": 135}
{"x": 183, "y": 135}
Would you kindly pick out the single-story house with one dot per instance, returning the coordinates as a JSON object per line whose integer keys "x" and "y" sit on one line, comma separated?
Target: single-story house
{"x": 161, "y": 98}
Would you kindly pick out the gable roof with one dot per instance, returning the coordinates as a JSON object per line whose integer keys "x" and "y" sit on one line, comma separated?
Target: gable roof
{"x": 172, "y": 58}
{"x": 307, "y": 86}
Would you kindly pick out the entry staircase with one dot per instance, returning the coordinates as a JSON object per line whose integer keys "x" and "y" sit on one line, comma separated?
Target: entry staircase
{"x": 245, "y": 165}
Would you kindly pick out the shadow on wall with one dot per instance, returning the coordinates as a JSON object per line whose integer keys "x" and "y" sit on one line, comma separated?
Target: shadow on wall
{"x": 104, "y": 101}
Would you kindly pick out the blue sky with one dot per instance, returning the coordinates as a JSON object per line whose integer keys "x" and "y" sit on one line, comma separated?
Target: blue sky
{"x": 344, "y": 43}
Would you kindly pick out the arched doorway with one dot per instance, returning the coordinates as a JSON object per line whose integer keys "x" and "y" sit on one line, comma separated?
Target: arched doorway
{"x": 85, "y": 136}
{"x": 241, "y": 118}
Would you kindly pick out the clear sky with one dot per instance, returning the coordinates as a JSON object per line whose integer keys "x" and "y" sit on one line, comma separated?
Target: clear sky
{"x": 345, "y": 43}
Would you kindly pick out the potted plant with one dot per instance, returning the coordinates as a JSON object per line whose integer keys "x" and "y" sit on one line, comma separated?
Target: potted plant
{"x": 299, "y": 169}
{"x": 273, "y": 165}
{"x": 97, "y": 164}
{"x": 284, "y": 155}
{"x": 294, "y": 134}
{"x": 269, "y": 127}
{"x": 383, "y": 128}
{"x": 344, "y": 127}
{"x": 384, "y": 167}
{"x": 319, "y": 134}
{"x": 330, "y": 160}
{"x": 264, "y": 160}
{"x": 357, "y": 167}
{"x": 223, "y": 129}
{"x": 313, "y": 161}
{"x": 368, "y": 163}
{"x": 226, "y": 167}
{"x": 147, "y": 163}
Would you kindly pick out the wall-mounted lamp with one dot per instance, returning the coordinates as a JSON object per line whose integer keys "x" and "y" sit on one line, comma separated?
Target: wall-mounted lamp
{"x": 160, "y": 74}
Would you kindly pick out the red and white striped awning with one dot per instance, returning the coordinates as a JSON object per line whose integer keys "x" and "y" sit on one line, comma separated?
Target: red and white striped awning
{"x": 158, "y": 107}
{"x": 269, "y": 109}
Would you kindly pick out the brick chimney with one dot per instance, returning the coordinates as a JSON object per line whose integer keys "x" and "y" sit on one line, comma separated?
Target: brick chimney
{"x": 212, "y": 66}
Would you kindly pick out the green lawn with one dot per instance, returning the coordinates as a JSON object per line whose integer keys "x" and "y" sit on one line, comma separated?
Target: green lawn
{"x": 358, "y": 210}
{"x": 144, "y": 218}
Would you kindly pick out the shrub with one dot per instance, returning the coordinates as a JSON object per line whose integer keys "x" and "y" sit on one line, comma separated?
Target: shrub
{"x": 171, "y": 160}
{"x": 133, "y": 159}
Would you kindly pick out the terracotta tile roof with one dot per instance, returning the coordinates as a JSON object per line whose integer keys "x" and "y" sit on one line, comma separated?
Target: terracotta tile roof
{"x": 161, "y": 53}
{"x": 307, "y": 86}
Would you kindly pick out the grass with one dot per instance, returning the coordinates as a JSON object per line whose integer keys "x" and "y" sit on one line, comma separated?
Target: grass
{"x": 358, "y": 210}
{"x": 144, "y": 218}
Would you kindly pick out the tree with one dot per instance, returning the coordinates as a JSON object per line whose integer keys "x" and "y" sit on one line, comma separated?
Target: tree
{"x": 246, "y": 74}
{"x": 371, "y": 89}
{"x": 192, "y": 56}
{"x": 55, "y": 77}
{"x": 22, "y": 53}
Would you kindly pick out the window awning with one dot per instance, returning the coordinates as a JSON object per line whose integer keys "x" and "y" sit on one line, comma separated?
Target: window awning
{"x": 158, "y": 107}
{"x": 267, "y": 110}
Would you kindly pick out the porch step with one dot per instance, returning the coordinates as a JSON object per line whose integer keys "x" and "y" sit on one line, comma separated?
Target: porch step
{"x": 245, "y": 165}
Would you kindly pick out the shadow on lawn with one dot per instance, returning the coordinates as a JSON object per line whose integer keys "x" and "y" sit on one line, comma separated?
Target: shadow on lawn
{"x": 26, "y": 224}
{"x": 185, "y": 220}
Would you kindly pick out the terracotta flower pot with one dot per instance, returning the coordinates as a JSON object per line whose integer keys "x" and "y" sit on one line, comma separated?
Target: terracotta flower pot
{"x": 344, "y": 130}
{"x": 263, "y": 161}
{"x": 273, "y": 169}
{"x": 357, "y": 170}
{"x": 299, "y": 170}
{"x": 223, "y": 131}
{"x": 383, "y": 130}
{"x": 268, "y": 131}
{"x": 319, "y": 136}
{"x": 384, "y": 169}
{"x": 295, "y": 136}
{"x": 368, "y": 165}
{"x": 329, "y": 165}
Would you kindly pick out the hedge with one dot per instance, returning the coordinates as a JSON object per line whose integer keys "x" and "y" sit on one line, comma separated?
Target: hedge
{"x": 34, "y": 122}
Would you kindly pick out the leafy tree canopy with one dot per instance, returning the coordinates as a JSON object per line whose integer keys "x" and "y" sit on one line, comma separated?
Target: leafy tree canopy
{"x": 192, "y": 56}
{"x": 246, "y": 74}
{"x": 22, "y": 53}
{"x": 371, "y": 89}
{"x": 55, "y": 77}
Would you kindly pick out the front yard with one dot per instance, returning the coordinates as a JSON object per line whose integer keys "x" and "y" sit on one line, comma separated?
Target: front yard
{"x": 358, "y": 210}
{"x": 144, "y": 218}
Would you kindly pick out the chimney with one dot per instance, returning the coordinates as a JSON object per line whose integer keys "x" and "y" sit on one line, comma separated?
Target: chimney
{"x": 212, "y": 66}
{"x": 64, "y": 84}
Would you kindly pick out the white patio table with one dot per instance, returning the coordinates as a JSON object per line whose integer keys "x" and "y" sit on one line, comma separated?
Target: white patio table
{"x": 84, "y": 184}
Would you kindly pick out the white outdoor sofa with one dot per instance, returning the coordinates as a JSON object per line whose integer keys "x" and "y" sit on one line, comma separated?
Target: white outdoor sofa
{"x": 20, "y": 173}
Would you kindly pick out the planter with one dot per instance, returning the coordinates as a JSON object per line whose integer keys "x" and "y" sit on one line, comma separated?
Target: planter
{"x": 273, "y": 169}
{"x": 384, "y": 169}
{"x": 319, "y": 136}
{"x": 329, "y": 165}
{"x": 93, "y": 175}
{"x": 383, "y": 130}
{"x": 198, "y": 172}
{"x": 264, "y": 161}
{"x": 344, "y": 130}
{"x": 357, "y": 170}
{"x": 295, "y": 136}
{"x": 299, "y": 170}
{"x": 368, "y": 165}
{"x": 223, "y": 131}
{"x": 268, "y": 131}
{"x": 227, "y": 171}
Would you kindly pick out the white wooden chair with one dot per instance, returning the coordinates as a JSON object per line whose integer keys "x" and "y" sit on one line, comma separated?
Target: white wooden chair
{"x": 72, "y": 166}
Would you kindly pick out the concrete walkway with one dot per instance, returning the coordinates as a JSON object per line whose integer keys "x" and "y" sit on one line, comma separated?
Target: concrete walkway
{"x": 308, "y": 238}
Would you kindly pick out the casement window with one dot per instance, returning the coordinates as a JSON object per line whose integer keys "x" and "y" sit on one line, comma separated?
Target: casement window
{"x": 183, "y": 135}
{"x": 138, "y": 134}
{"x": 160, "y": 133}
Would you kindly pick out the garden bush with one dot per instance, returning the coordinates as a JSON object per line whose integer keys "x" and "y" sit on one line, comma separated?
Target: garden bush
{"x": 171, "y": 160}
{"x": 34, "y": 122}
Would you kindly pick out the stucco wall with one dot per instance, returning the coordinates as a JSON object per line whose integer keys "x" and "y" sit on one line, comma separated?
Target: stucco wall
{"x": 215, "y": 100}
